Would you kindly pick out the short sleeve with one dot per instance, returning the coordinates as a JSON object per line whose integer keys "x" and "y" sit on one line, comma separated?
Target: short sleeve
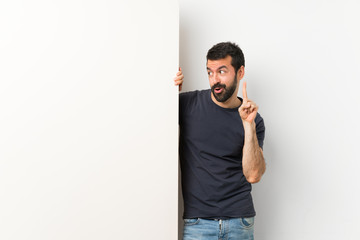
{"x": 260, "y": 130}
{"x": 184, "y": 101}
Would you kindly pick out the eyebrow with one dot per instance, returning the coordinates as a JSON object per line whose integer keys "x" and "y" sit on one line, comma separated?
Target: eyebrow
{"x": 223, "y": 66}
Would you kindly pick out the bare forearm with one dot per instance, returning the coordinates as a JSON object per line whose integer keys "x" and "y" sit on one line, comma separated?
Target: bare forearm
{"x": 253, "y": 160}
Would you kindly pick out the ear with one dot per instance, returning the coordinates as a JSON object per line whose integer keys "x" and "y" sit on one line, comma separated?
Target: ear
{"x": 240, "y": 73}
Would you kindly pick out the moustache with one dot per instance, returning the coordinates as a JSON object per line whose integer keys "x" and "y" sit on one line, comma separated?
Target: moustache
{"x": 218, "y": 85}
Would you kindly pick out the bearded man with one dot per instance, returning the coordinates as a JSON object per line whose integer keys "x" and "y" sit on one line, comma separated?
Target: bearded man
{"x": 221, "y": 140}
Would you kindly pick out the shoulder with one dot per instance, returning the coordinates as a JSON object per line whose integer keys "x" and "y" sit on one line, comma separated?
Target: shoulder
{"x": 192, "y": 96}
{"x": 187, "y": 95}
{"x": 258, "y": 118}
{"x": 260, "y": 129}
{"x": 259, "y": 121}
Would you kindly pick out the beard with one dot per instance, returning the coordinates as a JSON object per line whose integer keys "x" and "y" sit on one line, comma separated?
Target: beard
{"x": 226, "y": 93}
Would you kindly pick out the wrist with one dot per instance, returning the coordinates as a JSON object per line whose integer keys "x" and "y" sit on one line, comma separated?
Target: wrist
{"x": 249, "y": 125}
{"x": 249, "y": 130}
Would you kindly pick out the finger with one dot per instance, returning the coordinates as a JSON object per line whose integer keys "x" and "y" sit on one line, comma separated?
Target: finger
{"x": 244, "y": 102}
{"x": 244, "y": 105}
{"x": 252, "y": 108}
{"x": 244, "y": 91}
{"x": 250, "y": 104}
{"x": 180, "y": 77}
{"x": 179, "y": 82}
{"x": 179, "y": 72}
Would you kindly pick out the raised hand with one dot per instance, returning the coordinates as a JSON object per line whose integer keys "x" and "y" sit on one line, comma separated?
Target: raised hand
{"x": 248, "y": 108}
{"x": 179, "y": 78}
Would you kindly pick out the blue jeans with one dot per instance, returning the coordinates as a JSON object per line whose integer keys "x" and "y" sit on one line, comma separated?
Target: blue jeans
{"x": 228, "y": 229}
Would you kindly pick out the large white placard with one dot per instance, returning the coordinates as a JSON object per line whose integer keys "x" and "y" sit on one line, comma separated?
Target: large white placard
{"x": 88, "y": 119}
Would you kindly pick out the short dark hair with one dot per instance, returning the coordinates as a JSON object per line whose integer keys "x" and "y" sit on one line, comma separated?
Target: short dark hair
{"x": 224, "y": 49}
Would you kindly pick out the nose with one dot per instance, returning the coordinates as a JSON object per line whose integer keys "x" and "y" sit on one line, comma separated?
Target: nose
{"x": 215, "y": 78}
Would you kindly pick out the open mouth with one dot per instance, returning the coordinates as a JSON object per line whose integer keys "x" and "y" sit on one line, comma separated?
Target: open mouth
{"x": 218, "y": 90}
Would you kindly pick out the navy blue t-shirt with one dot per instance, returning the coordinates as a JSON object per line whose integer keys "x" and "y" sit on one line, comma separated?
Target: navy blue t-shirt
{"x": 211, "y": 143}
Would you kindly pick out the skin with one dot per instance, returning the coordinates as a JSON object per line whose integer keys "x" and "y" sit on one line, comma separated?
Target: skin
{"x": 253, "y": 159}
{"x": 221, "y": 71}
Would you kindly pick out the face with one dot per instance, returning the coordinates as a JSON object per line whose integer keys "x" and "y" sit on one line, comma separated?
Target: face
{"x": 222, "y": 78}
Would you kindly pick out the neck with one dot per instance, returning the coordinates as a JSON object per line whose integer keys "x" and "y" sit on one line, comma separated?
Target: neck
{"x": 232, "y": 102}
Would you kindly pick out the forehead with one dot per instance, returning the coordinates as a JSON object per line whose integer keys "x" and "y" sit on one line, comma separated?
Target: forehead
{"x": 215, "y": 64}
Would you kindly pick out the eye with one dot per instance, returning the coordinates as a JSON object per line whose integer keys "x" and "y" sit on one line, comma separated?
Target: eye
{"x": 209, "y": 73}
{"x": 222, "y": 71}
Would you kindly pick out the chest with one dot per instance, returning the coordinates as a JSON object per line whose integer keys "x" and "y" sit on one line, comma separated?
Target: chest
{"x": 215, "y": 130}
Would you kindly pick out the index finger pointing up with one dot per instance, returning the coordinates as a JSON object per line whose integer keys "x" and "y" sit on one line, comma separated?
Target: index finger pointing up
{"x": 244, "y": 91}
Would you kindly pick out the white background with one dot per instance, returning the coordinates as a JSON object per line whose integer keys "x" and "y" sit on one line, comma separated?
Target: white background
{"x": 88, "y": 119}
{"x": 302, "y": 68}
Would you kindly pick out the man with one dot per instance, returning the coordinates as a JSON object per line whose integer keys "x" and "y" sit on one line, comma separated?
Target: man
{"x": 221, "y": 139}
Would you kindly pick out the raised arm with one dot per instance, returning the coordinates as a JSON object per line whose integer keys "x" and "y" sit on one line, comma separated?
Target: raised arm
{"x": 253, "y": 159}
